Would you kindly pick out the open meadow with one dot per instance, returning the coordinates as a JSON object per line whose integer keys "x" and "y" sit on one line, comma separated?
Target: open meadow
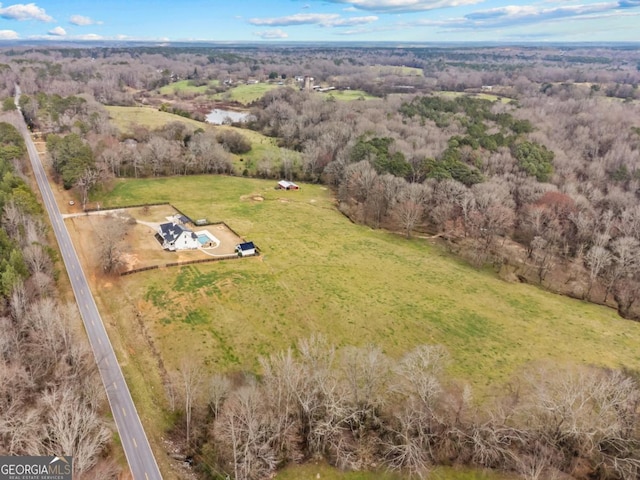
{"x": 402, "y": 70}
{"x": 187, "y": 86}
{"x": 481, "y": 96}
{"x": 319, "y": 273}
{"x": 245, "y": 94}
{"x": 348, "y": 95}
{"x": 313, "y": 471}
{"x": 126, "y": 118}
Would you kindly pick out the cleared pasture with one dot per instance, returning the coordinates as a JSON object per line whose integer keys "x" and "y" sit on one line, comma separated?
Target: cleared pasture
{"x": 400, "y": 70}
{"x": 481, "y": 96}
{"x": 186, "y": 86}
{"x": 320, "y": 273}
{"x": 348, "y": 95}
{"x": 312, "y": 471}
{"x": 246, "y": 94}
{"x": 125, "y": 118}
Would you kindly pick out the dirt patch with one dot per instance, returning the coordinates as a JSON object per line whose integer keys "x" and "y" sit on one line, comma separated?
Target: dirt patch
{"x": 253, "y": 198}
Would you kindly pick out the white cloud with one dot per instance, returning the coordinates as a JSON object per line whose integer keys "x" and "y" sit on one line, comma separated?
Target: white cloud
{"x": 89, "y": 36}
{"x": 347, "y": 22}
{"x": 324, "y": 19}
{"x": 20, "y": 11}
{"x": 58, "y": 32}
{"x": 297, "y": 19}
{"x": 514, "y": 15}
{"x": 8, "y": 35}
{"x": 272, "y": 34}
{"x": 403, "y": 5}
{"x": 83, "y": 21}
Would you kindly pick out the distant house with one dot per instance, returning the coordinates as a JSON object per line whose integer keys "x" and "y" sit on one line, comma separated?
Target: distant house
{"x": 286, "y": 185}
{"x": 246, "y": 249}
{"x": 176, "y": 237}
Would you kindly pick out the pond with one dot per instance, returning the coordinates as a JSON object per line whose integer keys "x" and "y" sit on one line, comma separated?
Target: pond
{"x": 219, "y": 116}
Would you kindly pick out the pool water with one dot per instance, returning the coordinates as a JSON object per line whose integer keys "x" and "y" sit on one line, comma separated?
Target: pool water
{"x": 203, "y": 239}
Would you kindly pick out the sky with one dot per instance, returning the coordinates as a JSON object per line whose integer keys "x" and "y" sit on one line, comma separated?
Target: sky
{"x": 323, "y": 20}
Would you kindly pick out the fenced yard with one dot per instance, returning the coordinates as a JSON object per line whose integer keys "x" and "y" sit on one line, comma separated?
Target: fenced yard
{"x": 140, "y": 248}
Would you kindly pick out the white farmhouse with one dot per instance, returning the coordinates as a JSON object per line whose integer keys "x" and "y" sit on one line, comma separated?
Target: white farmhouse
{"x": 176, "y": 237}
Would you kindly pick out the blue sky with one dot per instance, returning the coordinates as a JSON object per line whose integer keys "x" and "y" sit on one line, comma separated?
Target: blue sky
{"x": 324, "y": 20}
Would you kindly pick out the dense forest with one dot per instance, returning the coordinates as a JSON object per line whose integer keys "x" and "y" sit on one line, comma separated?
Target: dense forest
{"x": 526, "y": 160}
{"x": 50, "y": 393}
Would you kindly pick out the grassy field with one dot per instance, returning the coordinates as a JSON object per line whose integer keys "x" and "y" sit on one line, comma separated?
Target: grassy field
{"x": 348, "y": 95}
{"x": 124, "y": 118}
{"x": 322, "y": 471}
{"x": 185, "y": 86}
{"x": 481, "y": 96}
{"x": 320, "y": 273}
{"x": 245, "y": 94}
{"x": 399, "y": 70}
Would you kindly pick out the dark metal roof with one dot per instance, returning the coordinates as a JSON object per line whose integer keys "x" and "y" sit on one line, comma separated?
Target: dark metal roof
{"x": 171, "y": 231}
{"x": 246, "y": 246}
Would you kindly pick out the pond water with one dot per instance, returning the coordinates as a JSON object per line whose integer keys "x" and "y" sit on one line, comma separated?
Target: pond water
{"x": 219, "y": 116}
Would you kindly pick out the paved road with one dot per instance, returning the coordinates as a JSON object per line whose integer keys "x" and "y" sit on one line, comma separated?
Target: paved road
{"x": 134, "y": 441}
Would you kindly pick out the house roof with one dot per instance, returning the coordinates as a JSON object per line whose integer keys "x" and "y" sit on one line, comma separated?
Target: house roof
{"x": 184, "y": 219}
{"x": 171, "y": 231}
{"x": 246, "y": 246}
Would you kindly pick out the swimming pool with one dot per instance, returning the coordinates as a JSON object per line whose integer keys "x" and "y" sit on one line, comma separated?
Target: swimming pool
{"x": 207, "y": 240}
{"x": 203, "y": 238}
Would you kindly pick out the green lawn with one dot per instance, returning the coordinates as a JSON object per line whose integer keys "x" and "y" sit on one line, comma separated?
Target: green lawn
{"x": 397, "y": 70}
{"x": 124, "y": 118}
{"x": 186, "y": 86}
{"x": 246, "y": 94}
{"x": 320, "y": 273}
{"x": 311, "y": 472}
{"x": 482, "y": 96}
{"x": 348, "y": 95}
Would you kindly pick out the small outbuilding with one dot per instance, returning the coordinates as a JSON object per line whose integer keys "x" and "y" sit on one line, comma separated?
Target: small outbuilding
{"x": 286, "y": 185}
{"x": 246, "y": 249}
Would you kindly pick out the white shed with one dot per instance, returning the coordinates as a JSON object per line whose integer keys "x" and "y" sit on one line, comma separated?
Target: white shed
{"x": 246, "y": 249}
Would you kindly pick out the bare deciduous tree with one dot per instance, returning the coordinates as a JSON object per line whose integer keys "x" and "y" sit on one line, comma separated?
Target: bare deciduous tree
{"x": 110, "y": 237}
{"x": 73, "y": 429}
{"x": 191, "y": 383}
{"x": 85, "y": 182}
{"x": 219, "y": 389}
